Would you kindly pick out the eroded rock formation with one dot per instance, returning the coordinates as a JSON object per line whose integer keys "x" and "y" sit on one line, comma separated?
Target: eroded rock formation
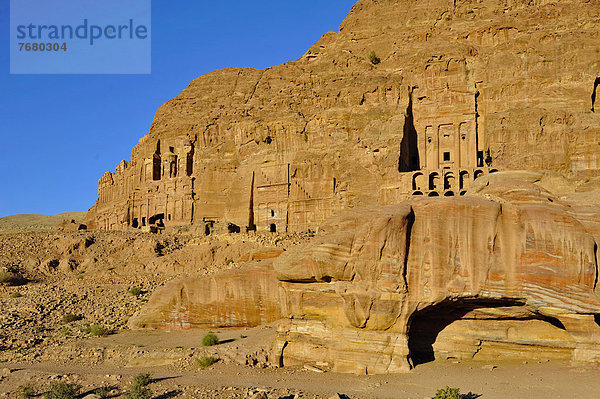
{"x": 463, "y": 88}
{"x": 509, "y": 270}
{"x": 236, "y": 298}
{"x": 375, "y": 290}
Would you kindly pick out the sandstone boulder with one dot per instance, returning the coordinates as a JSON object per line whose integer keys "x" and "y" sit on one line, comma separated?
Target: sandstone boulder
{"x": 244, "y": 297}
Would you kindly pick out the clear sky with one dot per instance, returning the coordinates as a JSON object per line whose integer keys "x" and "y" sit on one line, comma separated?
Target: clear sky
{"x": 60, "y": 133}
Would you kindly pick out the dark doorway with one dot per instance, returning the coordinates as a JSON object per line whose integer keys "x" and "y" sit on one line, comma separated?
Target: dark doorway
{"x": 479, "y": 159}
{"x": 409, "y": 149}
{"x": 134, "y": 224}
{"x": 156, "y": 165}
{"x": 189, "y": 162}
{"x": 273, "y": 228}
{"x": 157, "y": 219}
{"x": 233, "y": 228}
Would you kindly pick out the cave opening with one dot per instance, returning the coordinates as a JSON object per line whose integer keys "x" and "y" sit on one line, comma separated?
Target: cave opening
{"x": 425, "y": 325}
{"x": 157, "y": 219}
{"x": 409, "y": 160}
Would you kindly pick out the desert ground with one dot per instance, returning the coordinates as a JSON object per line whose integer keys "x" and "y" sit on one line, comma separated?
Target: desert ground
{"x": 68, "y": 281}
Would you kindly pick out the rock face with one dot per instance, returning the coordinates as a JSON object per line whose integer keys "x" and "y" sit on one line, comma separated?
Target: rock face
{"x": 375, "y": 292}
{"x": 234, "y": 298}
{"x": 462, "y": 89}
{"x": 509, "y": 270}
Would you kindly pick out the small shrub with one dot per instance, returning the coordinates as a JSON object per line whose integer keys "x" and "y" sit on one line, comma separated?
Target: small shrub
{"x": 242, "y": 336}
{"x": 96, "y": 330}
{"x": 206, "y": 361}
{"x": 70, "y": 317}
{"x": 8, "y": 278}
{"x": 138, "y": 392}
{"x": 79, "y": 277}
{"x": 16, "y": 294}
{"x": 26, "y": 391}
{"x": 210, "y": 339}
{"x": 139, "y": 389}
{"x": 102, "y": 392}
{"x": 142, "y": 379}
{"x": 448, "y": 393}
{"x": 373, "y": 58}
{"x": 135, "y": 291}
{"x": 229, "y": 261}
{"x": 63, "y": 390}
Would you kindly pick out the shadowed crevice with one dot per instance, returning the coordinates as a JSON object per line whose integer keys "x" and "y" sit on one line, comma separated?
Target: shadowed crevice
{"x": 409, "y": 160}
{"x": 596, "y": 83}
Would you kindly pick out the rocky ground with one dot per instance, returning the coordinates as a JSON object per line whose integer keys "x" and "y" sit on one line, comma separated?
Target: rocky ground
{"x": 67, "y": 290}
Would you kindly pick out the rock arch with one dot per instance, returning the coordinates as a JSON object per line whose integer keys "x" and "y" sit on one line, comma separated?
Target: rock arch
{"x": 448, "y": 181}
{"x": 433, "y": 180}
{"x": 463, "y": 180}
{"x": 418, "y": 181}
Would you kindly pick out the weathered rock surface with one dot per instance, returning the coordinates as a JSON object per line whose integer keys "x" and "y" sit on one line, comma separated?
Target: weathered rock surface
{"x": 236, "y": 298}
{"x": 509, "y": 270}
{"x": 462, "y": 88}
{"x": 518, "y": 270}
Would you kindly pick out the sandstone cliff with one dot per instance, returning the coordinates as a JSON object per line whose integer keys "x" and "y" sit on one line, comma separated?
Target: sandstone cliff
{"x": 462, "y": 88}
{"x": 509, "y": 270}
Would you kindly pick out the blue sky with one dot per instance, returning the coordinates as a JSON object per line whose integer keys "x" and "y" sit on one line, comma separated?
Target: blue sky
{"x": 60, "y": 133}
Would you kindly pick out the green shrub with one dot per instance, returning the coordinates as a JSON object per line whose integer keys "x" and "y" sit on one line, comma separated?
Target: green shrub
{"x": 139, "y": 389}
{"x": 142, "y": 379}
{"x": 16, "y": 294}
{"x": 102, "y": 392}
{"x": 373, "y": 58}
{"x": 135, "y": 291}
{"x": 206, "y": 361}
{"x": 26, "y": 391}
{"x": 63, "y": 390}
{"x": 138, "y": 392}
{"x": 210, "y": 339}
{"x": 96, "y": 330}
{"x": 79, "y": 277}
{"x": 229, "y": 261}
{"x": 70, "y": 317}
{"x": 448, "y": 393}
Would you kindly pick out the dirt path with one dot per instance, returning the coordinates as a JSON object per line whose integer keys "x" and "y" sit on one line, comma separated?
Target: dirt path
{"x": 507, "y": 380}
